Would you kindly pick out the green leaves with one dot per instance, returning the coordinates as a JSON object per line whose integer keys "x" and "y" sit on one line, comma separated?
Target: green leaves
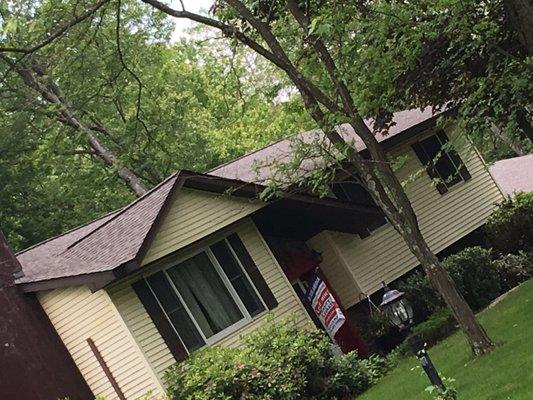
{"x": 278, "y": 361}
{"x": 203, "y": 102}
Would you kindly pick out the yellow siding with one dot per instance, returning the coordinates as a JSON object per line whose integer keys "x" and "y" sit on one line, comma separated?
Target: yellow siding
{"x": 150, "y": 340}
{"x": 77, "y": 314}
{"x": 334, "y": 267}
{"x": 194, "y": 215}
{"x": 443, "y": 219}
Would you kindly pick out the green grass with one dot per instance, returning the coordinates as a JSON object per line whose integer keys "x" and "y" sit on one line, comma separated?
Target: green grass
{"x": 505, "y": 373}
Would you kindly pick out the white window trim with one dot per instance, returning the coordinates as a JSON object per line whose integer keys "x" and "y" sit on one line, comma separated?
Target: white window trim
{"x": 247, "y": 318}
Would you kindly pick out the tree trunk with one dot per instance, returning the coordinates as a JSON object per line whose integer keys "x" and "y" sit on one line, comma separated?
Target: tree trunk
{"x": 397, "y": 207}
{"x": 382, "y": 182}
{"x": 390, "y": 195}
{"x": 441, "y": 280}
{"x": 513, "y": 145}
{"x": 52, "y": 93}
{"x": 401, "y": 215}
{"x": 520, "y": 14}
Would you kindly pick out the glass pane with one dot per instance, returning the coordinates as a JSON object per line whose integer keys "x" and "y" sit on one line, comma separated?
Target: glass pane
{"x": 248, "y": 296}
{"x": 351, "y": 191}
{"x": 226, "y": 260}
{"x": 355, "y": 192}
{"x": 205, "y": 294}
{"x": 175, "y": 311}
{"x": 431, "y": 146}
{"x": 238, "y": 279}
{"x": 444, "y": 165}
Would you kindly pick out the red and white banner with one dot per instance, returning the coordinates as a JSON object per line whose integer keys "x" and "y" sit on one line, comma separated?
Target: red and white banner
{"x": 324, "y": 305}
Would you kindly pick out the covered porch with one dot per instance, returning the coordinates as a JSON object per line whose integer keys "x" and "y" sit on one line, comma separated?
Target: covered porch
{"x": 298, "y": 236}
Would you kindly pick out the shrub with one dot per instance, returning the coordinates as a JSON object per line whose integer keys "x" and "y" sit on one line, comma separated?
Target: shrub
{"x": 437, "y": 327}
{"x": 510, "y": 227}
{"x": 376, "y": 367}
{"x": 420, "y": 293}
{"x": 378, "y": 324}
{"x": 475, "y": 275}
{"x": 279, "y": 361}
{"x": 514, "y": 269}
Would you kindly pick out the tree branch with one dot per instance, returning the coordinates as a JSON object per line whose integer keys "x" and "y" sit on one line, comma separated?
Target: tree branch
{"x": 56, "y": 34}
{"x": 276, "y": 58}
{"x": 31, "y": 76}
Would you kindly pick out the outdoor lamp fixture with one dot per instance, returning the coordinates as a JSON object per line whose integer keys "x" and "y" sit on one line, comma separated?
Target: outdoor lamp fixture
{"x": 400, "y": 313}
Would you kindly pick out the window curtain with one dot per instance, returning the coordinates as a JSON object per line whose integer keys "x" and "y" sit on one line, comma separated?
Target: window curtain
{"x": 205, "y": 294}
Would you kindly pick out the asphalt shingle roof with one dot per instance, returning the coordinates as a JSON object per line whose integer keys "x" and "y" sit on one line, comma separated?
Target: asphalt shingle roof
{"x": 245, "y": 167}
{"x": 118, "y": 237}
{"x": 100, "y": 246}
{"x": 514, "y": 174}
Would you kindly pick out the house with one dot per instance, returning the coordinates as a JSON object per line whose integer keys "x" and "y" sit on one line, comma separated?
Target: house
{"x": 200, "y": 260}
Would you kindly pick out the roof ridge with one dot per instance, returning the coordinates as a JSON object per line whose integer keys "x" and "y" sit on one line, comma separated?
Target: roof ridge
{"x": 67, "y": 232}
{"x": 253, "y": 152}
{"x": 125, "y": 208}
{"x": 288, "y": 137}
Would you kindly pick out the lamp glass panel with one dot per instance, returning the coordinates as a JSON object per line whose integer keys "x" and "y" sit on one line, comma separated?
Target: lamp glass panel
{"x": 399, "y": 312}
{"x": 408, "y": 309}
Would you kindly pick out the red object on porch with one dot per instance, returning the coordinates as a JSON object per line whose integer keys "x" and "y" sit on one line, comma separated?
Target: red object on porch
{"x": 298, "y": 262}
{"x": 347, "y": 337}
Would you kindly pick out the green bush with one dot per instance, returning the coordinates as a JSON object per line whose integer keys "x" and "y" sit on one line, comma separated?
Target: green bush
{"x": 514, "y": 269}
{"x": 420, "y": 293}
{"x": 279, "y": 361}
{"x": 510, "y": 228}
{"x": 475, "y": 275}
{"x": 478, "y": 277}
{"x": 378, "y": 324}
{"x": 437, "y": 327}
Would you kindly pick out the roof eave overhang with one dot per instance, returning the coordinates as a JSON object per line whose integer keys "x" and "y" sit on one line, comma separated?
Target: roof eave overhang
{"x": 416, "y": 129}
{"x": 99, "y": 280}
{"x": 94, "y": 281}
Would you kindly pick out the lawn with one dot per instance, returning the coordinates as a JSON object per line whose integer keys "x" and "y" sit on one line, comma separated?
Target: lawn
{"x": 506, "y": 373}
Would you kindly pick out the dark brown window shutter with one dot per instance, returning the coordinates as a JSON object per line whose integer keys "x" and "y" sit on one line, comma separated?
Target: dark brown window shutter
{"x": 252, "y": 270}
{"x": 160, "y": 320}
{"x": 463, "y": 171}
{"x": 430, "y": 168}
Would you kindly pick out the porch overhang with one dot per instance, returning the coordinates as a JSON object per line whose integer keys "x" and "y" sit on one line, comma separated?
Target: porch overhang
{"x": 298, "y": 220}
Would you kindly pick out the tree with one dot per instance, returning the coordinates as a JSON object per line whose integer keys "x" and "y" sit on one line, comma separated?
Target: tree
{"x": 198, "y": 111}
{"x": 474, "y": 56}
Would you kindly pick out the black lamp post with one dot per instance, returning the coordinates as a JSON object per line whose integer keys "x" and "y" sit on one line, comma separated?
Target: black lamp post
{"x": 400, "y": 313}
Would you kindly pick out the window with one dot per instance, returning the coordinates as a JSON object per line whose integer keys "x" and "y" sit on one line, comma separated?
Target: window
{"x": 442, "y": 162}
{"x": 206, "y": 296}
{"x": 354, "y": 192}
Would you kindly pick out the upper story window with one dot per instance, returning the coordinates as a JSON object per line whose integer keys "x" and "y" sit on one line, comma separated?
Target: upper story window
{"x": 207, "y": 296}
{"x": 442, "y": 162}
{"x": 351, "y": 190}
